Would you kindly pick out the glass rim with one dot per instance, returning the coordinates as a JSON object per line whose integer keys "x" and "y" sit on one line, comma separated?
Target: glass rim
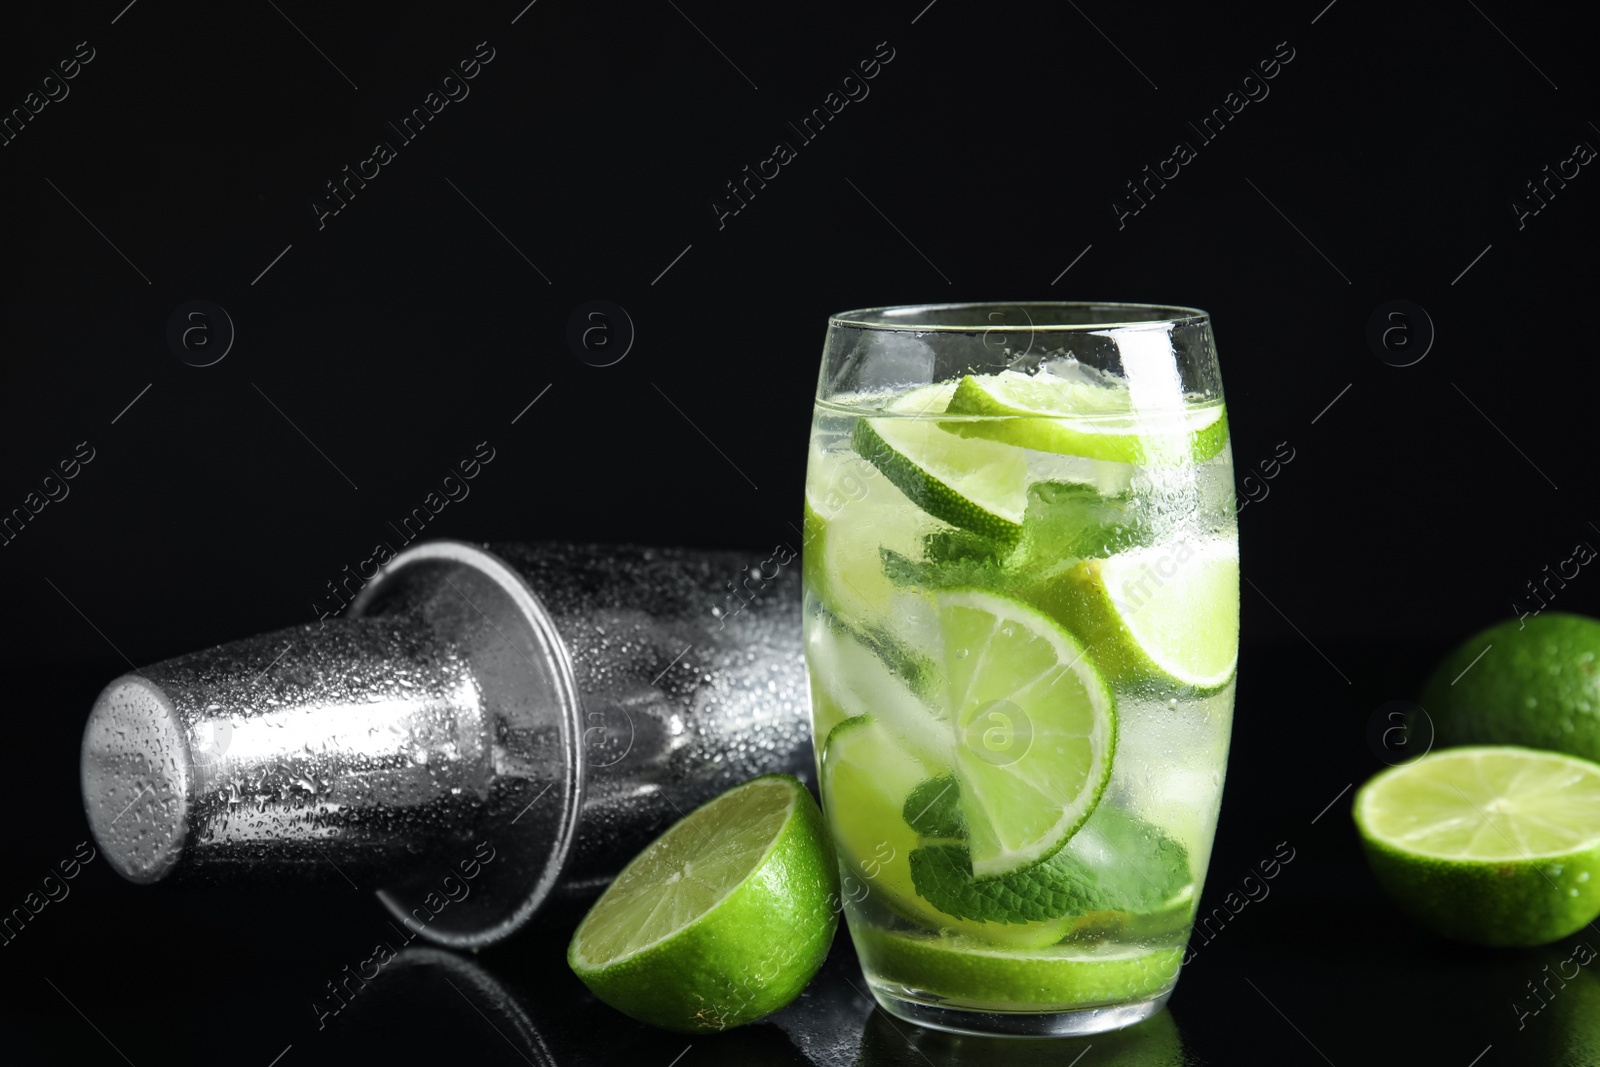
{"x": 881, "y": 318}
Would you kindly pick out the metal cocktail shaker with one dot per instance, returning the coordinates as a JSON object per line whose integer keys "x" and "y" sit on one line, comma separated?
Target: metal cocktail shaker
{"x": 485, "y": 727}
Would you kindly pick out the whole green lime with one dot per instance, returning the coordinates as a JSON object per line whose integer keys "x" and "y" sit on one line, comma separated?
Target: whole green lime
{"x": 1532, "y": 682}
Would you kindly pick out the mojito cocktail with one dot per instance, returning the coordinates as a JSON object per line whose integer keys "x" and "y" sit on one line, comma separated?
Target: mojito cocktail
{"x": 1021, "y": 626}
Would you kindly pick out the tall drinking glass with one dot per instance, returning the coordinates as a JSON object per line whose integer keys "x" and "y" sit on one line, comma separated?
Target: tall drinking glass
{"x": 1021, "y": 595}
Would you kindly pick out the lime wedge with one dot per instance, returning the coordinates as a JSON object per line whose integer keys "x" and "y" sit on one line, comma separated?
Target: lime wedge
{"x": 1491, "y": 844}
{"x": 722, "y": 919}
{"x": 1034, "y": 728}
{"x": 969, "y": 482}
{"x": 1079, "y": 418}
{"x": 1167, "y": 611}
{"x": 973, "y": 974}
{"x": 867, "y": 778}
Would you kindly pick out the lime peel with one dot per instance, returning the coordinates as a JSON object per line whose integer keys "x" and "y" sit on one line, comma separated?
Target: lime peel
{"x": 976, "y": 484}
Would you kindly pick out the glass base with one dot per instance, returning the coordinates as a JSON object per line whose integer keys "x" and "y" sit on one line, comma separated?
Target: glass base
{"x": 958, "y": 1020}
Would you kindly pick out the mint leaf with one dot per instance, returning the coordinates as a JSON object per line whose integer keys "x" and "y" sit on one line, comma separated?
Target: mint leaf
{"x": 1063, "y": 523}
{"x": 1072, "y": 521}
{"x": 962, "y": 546}
{"x": 1138, "y": 868}
{"x": 1116, "y": 864}
{"x": 932, "y": 809}
{"x": 971, "y": 570}
{"x": 1055, "y": 888}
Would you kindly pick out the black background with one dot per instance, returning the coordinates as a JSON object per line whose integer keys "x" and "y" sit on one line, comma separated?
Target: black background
{"x": 384, "y": 346}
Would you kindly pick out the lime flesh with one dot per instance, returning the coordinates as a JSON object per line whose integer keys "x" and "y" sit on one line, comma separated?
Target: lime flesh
{"x": 722, "y": 919}
{"x": 1495, "y": 845}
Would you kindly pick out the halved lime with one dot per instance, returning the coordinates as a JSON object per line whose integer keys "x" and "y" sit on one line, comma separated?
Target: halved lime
{"x": 1496, "y": 845}
{"x": 972, "y": 974}
{"x": 1080, "y": 418}
{"x": 1034, "y": 728}
{"x": 971, "y": 482}
{"x": 867, "y": 775}
{"x": 722, "y": 919}
{"x": 1167, "y": 611}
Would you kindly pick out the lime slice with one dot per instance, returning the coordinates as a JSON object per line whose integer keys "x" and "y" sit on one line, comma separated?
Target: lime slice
{"x": 1167, "y": 611}
{"x": 1034, "y": 728}
{"x": 722, "y": 919}
{"x": 1491, "y": 844}
{"x": 852, "y": 513}
{"x": 868, "y": 780}
{"x": 969, "y": 482}
{"x": 972, "y": 974}
{"x": 1080, "y": 418}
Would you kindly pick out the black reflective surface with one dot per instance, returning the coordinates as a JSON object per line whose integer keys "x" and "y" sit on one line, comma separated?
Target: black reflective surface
{"x": 1309, "y": 966}
{"x": 1404, "y": 480}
